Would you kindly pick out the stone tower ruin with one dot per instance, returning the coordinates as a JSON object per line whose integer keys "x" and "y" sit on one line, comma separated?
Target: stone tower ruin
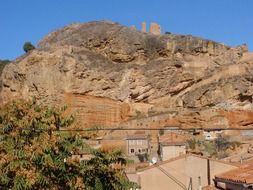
{"x": 143, "y": 27}
{"x": 155, "y": 28}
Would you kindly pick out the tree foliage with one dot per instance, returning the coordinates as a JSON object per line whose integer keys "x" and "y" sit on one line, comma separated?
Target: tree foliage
{"x": 192, "y": 143}
{"x": 100, "y": 171}
{"x": 222, "y": 143}
{"x": 168, "y": 33}
{"x": 28, "y": 46}
{"x": 36, "y": 153}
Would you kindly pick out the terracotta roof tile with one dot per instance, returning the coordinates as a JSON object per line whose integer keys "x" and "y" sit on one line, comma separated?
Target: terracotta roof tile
{"x": 244, "y": 174}
{"x": 208, "y": 188}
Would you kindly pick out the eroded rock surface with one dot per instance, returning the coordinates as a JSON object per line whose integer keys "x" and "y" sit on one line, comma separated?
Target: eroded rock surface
{"x": 117, "y": 73}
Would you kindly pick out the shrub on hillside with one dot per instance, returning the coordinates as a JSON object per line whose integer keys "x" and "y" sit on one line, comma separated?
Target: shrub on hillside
{"x": 28, "y": 46}
{"x": 2, "y": 65}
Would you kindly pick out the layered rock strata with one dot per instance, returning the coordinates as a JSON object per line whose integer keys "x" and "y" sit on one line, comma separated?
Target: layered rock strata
{"x": 114, "y": 74}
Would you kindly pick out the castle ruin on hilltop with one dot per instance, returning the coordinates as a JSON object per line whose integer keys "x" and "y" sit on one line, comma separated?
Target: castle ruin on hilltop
{"x": 153, "y": 29}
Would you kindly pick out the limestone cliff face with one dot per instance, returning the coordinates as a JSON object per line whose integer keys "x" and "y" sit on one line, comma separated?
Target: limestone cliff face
{"x": 111, "y": 73}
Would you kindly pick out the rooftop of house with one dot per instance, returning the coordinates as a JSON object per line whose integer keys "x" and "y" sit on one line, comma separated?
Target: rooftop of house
{"x": 183, "y": 157}
{"x": 169, "y": 139}
{"x": 138, "y": 135}
{"x": 181, "y": 168}
{"x": 243, "y": 175}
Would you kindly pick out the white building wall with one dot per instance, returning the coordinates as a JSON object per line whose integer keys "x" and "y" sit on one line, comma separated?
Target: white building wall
{"x": 169, "y": 152}
{"x": 182, "y": 169}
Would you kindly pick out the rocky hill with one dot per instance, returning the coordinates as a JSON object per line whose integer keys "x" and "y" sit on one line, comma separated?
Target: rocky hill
{"x": 114, "y": 75}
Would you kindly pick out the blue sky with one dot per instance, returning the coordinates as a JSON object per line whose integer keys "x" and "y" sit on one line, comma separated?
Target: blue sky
{"x": 226, "y": 21}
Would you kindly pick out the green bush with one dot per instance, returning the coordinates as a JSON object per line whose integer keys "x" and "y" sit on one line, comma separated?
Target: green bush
{"x": 222, "y": 143}
{"x": 209, "y": 147}
{"x": 28, "y": 47}
{"x": 168, "y": 33}
{"x": 192, "y": 143}
{"x": 143, "y": 157}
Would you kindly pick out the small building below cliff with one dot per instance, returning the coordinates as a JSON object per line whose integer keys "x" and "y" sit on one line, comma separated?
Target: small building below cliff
{"x": 138, "y": 143}
{"x": 172, "y": 145}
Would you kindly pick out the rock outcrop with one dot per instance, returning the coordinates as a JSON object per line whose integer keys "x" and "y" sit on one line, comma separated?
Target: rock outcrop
{"x": 111, "y": 73}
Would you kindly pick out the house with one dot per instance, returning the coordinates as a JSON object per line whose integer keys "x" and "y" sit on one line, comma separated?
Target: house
{"x": 184, "y": 172}
{"x": 137, "y": 143}
{"x": 237, "y": 179}
{"x": 171, "y": 145}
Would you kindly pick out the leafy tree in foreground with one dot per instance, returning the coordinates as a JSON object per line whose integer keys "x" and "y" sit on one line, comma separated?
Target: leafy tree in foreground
{"x": 28, "y": 46}
{"x": 36, "y": 154}
{"x": 99, "y": 174}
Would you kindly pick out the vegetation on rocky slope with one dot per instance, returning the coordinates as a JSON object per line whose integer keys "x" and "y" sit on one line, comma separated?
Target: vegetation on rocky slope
{"x": 218, "y": 148}
{"x": 2, "y": 65}
{"x": 28, "y": 46}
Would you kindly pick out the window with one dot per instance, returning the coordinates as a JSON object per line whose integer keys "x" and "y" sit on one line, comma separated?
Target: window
{"x": 132, "y": 150}
{"x": 139, "y": 150}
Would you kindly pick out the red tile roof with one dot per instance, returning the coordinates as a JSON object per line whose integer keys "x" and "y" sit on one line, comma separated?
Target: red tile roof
{"x": 244, "y": 174}
{"x": 208, "y": 188}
